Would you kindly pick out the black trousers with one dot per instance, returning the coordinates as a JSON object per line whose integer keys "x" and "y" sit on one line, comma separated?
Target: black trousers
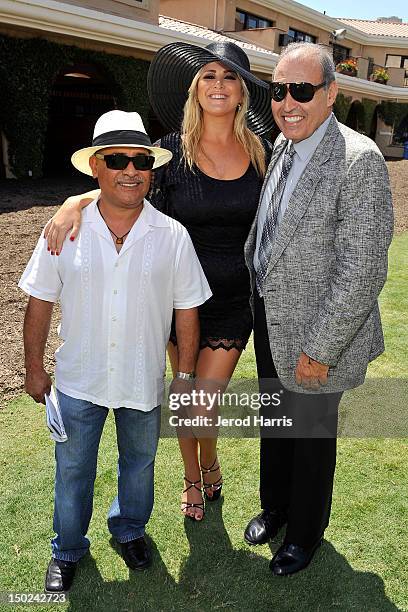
{"x": 296, "y": 473}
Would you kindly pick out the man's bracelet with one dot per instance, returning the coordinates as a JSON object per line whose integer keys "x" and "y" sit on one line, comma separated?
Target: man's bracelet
{"x": 185, "y": 375}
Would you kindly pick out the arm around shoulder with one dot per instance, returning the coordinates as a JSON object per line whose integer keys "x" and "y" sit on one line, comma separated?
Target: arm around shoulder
{"x": 67, "y": 219}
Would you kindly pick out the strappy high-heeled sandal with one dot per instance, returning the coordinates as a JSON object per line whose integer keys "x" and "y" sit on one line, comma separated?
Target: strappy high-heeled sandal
{"x": 215, "y": 486}
{"x": 199, "y": 505}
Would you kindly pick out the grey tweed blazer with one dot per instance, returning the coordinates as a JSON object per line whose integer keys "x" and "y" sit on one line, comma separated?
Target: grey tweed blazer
{"x": 329, "y": 261}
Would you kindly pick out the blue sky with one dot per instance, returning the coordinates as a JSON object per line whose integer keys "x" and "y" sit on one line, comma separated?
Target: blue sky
{"x": 363, "y": 9}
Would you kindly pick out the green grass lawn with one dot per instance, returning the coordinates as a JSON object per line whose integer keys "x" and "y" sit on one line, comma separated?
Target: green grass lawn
{"x": 362, "y": 565}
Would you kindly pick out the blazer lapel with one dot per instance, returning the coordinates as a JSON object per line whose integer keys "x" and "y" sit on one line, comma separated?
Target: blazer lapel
{"x": 303, "y": 192}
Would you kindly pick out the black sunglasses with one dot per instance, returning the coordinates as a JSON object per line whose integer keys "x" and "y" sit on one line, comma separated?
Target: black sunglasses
{"x": 301, "y": 92}
{"x": 120, "y": 161}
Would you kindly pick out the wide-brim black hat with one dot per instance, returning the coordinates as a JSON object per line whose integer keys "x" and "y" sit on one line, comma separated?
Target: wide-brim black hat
{"x": 174, "y": 67}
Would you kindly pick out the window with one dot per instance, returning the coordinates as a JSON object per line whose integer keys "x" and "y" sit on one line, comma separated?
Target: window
{"x": 340, "y": 53}
{"x": 398, "y": 61}
{"x": 247, "y": 21}
{"x": 143, "y": 4}
{"x": 298, "y": 36}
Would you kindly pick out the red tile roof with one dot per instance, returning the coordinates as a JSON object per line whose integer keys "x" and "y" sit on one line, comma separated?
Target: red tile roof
{"x": 377, "y": 28}
{"x": 209, "y": 35}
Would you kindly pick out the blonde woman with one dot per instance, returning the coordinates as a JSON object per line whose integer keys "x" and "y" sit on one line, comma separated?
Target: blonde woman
{"x": 212, "y": 186}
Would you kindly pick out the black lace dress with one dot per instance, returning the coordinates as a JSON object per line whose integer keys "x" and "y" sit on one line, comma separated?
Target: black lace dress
{"x": 218, "y": 215}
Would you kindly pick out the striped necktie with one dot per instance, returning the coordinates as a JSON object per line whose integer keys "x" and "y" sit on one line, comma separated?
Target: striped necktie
{"x": 265, "y": 246}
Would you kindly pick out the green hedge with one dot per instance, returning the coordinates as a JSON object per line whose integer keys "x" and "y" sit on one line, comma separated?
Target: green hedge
{"x": 364, "y": 111}
{"x": 369, "y": 110}
{"x": 392, "y": 113}
{"x": 341, "y": 107}
{"x": 28, "y": 69}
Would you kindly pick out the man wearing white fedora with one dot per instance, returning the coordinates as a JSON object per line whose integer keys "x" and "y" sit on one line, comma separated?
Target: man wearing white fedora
{"x": 118, "y": 285}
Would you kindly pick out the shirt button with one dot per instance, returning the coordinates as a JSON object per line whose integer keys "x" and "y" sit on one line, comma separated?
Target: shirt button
{"x": 111, "y": 370}
{"x": 116, "y": 265}
{"x": 115, "y": 292}
{"x": 113, "y": 344}
{"x": 114, "y": 319}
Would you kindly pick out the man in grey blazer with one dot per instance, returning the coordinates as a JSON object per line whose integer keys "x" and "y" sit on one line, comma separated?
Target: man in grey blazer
{"x": 317, "y": 254}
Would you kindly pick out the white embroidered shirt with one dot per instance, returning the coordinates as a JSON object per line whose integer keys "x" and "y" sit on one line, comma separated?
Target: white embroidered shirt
{"x": 117, "y": 307}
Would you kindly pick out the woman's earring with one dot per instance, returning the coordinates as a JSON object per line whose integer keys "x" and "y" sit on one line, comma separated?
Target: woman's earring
{"x": 239, "y": 106}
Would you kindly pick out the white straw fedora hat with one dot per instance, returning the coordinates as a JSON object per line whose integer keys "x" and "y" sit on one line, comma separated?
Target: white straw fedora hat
{"x": 119, "y": 129}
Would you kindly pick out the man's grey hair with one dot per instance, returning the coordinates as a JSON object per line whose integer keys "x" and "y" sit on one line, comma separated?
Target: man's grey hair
{"x": 321, "y": 51}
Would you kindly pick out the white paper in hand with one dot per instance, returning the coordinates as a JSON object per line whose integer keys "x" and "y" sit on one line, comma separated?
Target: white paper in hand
{"x": 54, "y": 419}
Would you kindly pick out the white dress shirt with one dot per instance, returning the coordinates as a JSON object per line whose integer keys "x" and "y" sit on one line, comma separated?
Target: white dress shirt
{"x": 303, "y": 153}
{"x": 117, "y": 307}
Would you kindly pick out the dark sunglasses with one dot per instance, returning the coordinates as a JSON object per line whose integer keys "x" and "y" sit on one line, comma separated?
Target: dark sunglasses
{"x": 301, "y": 92}
{"x": 120, "y": 161}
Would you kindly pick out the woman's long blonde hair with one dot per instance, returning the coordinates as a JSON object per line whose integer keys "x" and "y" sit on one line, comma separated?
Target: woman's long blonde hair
{"x": 192, "y": 129}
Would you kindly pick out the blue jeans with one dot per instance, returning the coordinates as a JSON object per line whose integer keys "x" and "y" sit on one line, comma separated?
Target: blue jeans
{"x": 137, "y": 435}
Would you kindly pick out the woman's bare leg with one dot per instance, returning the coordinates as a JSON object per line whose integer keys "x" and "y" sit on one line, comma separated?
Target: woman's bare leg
{"x": 214, "y": 370}
{"x": 189, "y": 453}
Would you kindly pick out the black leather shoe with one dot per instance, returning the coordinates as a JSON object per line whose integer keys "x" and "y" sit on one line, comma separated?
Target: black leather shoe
{"x": 59, "y": 576}
{"x": 264, "y": 527}
{"x": 136, "y": 554}
{"x": 291, "y": 558}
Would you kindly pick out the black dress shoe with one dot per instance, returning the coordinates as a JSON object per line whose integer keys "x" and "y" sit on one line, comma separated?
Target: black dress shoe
{"x": 136, "y": 554}
{"x": 291, "y": 558}
{"x": 59, "y": 576}
{"x": 264, "y": 527}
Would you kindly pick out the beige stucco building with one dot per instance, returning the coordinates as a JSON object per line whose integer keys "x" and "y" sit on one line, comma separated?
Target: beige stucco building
{"x": 138, "y": 28}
